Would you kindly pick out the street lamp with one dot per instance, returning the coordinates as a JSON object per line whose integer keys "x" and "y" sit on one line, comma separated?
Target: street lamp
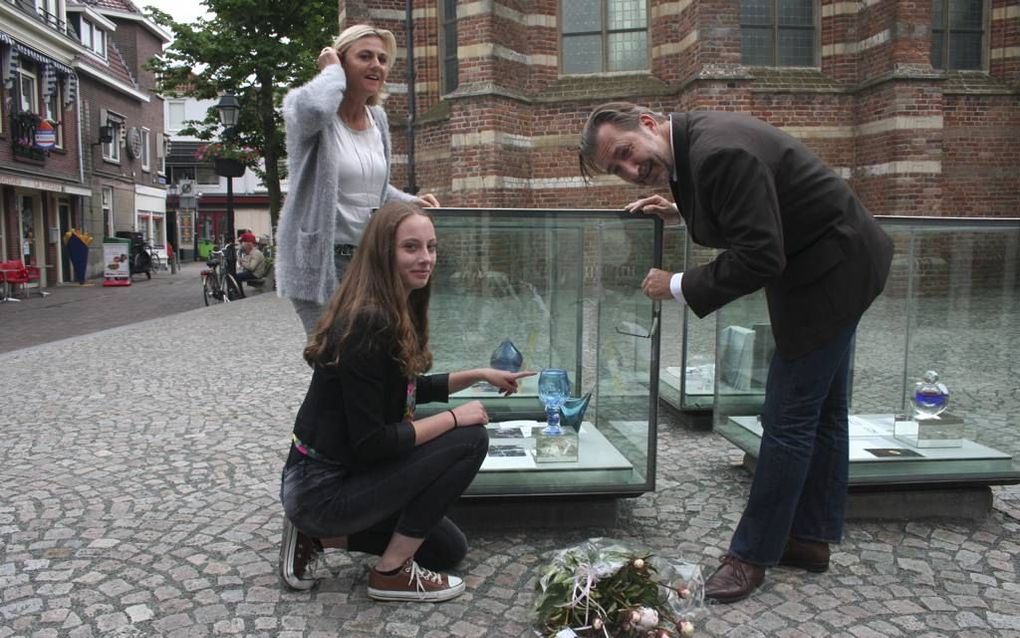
{"x": 229, "y": 108}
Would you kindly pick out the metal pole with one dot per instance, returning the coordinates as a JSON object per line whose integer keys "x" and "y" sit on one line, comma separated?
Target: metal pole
{"x": 231, "y": 263}
{"x": 412, "y": 186}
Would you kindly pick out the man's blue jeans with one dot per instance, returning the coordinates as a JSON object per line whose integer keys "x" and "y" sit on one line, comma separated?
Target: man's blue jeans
{"x": 800, "y": 483}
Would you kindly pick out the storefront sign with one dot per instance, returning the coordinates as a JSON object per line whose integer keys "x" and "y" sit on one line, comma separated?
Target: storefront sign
{"x": 45, "y": 136}
{"x": 116, "y": 267}
{"x": 186, "y": 227}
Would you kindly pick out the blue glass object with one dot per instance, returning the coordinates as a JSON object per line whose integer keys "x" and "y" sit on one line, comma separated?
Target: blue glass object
{"x": 931, "y": 398}
{"x": 572, "y": 411}
{"x": 553, "y": 390}
{"x": 507, "y": 357}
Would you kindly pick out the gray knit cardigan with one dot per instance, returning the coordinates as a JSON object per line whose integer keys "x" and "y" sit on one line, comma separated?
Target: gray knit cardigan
{"x": 304, "y": 237}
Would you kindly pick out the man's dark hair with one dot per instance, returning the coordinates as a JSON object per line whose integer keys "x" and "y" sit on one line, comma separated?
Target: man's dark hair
{"x": 625, "y": 116}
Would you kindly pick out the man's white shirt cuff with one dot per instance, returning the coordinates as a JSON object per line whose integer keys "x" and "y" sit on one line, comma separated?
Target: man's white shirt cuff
{"x": 675, "y": 289}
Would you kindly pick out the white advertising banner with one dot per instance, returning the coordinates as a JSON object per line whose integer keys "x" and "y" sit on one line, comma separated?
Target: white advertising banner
{"x": 116, "y": 264}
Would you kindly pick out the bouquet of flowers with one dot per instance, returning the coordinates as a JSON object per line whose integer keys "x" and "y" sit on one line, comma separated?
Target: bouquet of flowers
{"x": 602, "y": 588}
{"x": 217, "y": 150}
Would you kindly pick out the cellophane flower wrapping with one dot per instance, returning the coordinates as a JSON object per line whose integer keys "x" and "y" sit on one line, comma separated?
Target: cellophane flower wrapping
{"x": 603, "y": 587}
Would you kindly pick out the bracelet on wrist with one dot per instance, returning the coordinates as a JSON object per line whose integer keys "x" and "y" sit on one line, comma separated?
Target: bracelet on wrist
{"x": 454, "y": 415}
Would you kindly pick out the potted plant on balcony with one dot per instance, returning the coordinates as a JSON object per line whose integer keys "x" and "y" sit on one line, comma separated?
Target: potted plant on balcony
{"x": 23, "y": 133}
{"x": 229, "y": 160}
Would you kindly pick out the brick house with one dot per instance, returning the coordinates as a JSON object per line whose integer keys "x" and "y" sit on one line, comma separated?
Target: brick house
{"x": 41, "y": 182}
{"x": 77, "y": 67}
{"x": 916, "y": 104}
{"x": 122, "y": 122}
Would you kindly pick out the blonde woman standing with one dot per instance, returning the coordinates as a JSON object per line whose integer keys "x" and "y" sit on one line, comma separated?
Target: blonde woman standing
{"x": 338, "y": 147}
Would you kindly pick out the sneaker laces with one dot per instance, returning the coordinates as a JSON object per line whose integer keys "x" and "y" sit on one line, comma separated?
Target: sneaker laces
{"x": 419, "y": 573}
{"x": 314, "y": 564}
{"x": 316, "y": 558}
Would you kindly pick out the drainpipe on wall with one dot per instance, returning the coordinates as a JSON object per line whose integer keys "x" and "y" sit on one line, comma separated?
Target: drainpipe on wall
{"x": 81, "y": 155}
{"x": 412, "y": 186}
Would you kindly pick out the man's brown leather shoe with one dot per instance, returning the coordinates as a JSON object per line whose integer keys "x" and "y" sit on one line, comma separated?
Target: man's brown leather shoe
{"x": 810, "y": 555}
{"x": 734, "y": 580}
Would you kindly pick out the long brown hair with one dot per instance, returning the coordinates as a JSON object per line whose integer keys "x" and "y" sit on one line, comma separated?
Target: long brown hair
{"x": 372, "y": 289}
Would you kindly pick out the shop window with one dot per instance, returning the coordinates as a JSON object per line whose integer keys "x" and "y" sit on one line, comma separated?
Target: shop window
{"x": 107, "y": 204}
{"x": 958, "y": 34}
{"x": 778, "y": 32}
{"x": 604, "y": 35}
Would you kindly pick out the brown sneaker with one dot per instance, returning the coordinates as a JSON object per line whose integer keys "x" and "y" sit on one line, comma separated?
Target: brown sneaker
{"x": 414, "y": 583}
{"x": 299, "y": 555}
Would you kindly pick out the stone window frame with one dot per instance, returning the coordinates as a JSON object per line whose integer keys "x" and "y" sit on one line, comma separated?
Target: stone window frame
{"x": 605, "y": 33}
{"x": 946, "y": 31}
{"x": 776, "y": 28}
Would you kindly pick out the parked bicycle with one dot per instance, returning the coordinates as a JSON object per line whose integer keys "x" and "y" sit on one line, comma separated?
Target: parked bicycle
{"x": 218, "y": 285}
{"x": 155, "y": 261}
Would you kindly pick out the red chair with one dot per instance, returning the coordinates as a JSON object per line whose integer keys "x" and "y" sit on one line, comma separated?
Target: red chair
{"x": 17, "y": 273}
{"x": 33, "y": 274}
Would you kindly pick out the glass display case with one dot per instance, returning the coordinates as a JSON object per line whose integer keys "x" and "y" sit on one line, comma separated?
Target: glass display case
{"x": 687, "y": 371}
{"x": 563, "y": 288}
{"x": 952, "y": 304}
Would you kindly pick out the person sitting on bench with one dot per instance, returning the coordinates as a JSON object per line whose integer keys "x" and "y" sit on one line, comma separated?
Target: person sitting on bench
{"x": 252, "y": 263}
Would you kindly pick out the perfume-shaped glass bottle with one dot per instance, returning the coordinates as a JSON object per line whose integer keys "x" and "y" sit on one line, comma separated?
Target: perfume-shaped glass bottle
{"x": 931, "y": 398}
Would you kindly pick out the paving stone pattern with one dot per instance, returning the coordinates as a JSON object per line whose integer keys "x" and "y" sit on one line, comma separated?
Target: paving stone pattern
{"x": 140, "y": 473}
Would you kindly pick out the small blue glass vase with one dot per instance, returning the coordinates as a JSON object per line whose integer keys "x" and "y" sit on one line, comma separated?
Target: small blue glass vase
{"x": 572, "y": 411}
{"x": 507, "y": 357}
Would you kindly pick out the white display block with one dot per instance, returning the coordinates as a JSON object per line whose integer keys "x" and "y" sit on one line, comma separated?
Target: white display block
{"x": 945, "y": 430}
{"x": 512, "y": 447}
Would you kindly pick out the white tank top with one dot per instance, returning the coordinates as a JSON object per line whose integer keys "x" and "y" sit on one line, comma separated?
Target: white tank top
{"x": 362, "y": 176}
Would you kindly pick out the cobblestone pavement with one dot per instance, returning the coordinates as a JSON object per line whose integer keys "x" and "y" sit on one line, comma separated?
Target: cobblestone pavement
{"x": 71, "y": 310}
{"x": 140, "y": 471}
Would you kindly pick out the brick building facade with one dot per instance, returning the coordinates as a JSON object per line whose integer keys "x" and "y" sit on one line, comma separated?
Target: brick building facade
{"x": 916, "y": 104}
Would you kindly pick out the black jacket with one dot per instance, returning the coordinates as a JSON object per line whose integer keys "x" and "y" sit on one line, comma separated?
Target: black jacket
{"x": 354, "y": 413}
{"x": 787, "y": 223}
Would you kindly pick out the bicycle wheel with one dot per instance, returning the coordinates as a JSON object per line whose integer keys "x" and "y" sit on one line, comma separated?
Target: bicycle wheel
{"x": 234, "y": 290}
{"x": 143, "y": 264}
{"x": 155, "y": 263}
{"x": 211, "y": 292}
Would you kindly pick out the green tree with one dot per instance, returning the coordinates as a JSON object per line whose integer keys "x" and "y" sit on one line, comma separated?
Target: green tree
{"x": 255, "y": 49}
